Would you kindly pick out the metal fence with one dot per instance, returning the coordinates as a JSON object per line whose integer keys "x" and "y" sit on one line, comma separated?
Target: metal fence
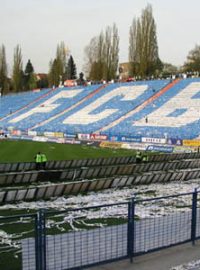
{"x": 78, "y": 238}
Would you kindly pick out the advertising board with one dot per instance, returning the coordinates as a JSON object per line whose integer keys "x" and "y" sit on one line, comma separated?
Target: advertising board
{"x": 154, "y": 140}
{"x": 191, "y": 142}
{"x": 82, "y": 136}
{"x": 160, "y": 148}
{"x": 172, "y": 141}
{"x": 98, "y": 137}
{"x": 110, "y": 145}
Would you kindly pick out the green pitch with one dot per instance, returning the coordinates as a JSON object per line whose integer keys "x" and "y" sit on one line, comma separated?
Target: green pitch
{"x": 19, "y": 151}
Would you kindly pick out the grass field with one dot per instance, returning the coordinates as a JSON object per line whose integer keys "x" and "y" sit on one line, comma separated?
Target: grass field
{"x": 12, "y": 231}
{"x": 19, "y": 151}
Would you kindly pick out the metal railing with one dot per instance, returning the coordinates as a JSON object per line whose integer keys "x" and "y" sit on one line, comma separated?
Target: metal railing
{"x": 82, "y": 237}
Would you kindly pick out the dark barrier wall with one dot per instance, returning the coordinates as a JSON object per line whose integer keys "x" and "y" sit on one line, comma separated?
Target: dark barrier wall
{"x": 98, "y": 172}
{"x": 68, "y": 164}
{"x": 8, "y": 195}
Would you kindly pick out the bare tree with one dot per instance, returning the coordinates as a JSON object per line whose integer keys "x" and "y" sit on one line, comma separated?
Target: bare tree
{"x": 17, "y": 76}
{"x": 3, "y": 71}
{"x": 192, "y": 63}
{"x": 61, "y": 58}
{"x": 57, "y": 67}
{"x": 90, "y": 55}
{"x": 111, "y": 52}
{"x": 102, "y": 55}
{"x": 143, "y": 47}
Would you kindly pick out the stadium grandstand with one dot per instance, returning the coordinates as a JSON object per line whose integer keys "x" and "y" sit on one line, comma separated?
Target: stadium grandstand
{"x": 156, "y": 108}
{"x": 46, "y": 223}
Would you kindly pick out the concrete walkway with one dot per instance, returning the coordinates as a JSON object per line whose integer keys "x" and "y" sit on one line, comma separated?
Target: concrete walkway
{"x": 161, "y": 260}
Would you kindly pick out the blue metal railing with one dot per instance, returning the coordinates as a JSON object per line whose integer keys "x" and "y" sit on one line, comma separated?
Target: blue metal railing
{"x": 82, "y": 237}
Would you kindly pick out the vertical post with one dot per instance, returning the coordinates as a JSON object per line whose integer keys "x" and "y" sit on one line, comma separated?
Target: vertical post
{"x": 41, "y": 241}
{"x": 37, "y": 248}
{"x": 194, "y": 216}
{"x": 130, "y": 234}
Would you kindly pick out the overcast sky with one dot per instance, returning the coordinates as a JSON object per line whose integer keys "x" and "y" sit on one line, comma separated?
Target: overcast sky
{"x": 39, "y": 25}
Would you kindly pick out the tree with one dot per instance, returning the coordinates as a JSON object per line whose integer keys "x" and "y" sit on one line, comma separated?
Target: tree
{"x": 54, "y": 74}
{"x": 81, "y": 78}
{"x": 90, "y": 55}
{"x": 3, "y": 71}
{"x": 143, "y": 47}
{"x": 169, "y": 69}
{"x": 29, "y": 68}
{"x": 111, "y": 53}
{"x": 29, "y": 81}
{"x": 102, "y": 55}
{"x": 57, "y": 67}
{"x": 192, "y": 63}
{"x": 17, "y": 76}
{"x": 71, "y": 69}
{"x": 94, "y": 56}
{"x": 32, "y": 82}
{"x": 61, "y": 59}
{"x": 42, "y": 80}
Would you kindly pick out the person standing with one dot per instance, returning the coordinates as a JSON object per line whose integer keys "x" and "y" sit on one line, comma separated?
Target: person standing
{"x": 145, "y": 158}
{"x": 43, "y": 161}
{"x": 138, "y": 157}
{"x": 38, "y": 160}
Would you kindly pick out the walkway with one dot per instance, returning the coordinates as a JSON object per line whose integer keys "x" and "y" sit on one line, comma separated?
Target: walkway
{"x": 161, "y": 260}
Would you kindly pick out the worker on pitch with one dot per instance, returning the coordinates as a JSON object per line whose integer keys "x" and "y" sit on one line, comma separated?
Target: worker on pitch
{"x": 138, "y": 157}
{"x": 43, "y": 161}
{"x": 40, "y": 160}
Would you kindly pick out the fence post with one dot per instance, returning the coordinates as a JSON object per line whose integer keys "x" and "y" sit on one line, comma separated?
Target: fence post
{"x": 37, "y": 258}
{"x": 130, "y": 234}
{"x": 194, "y": 216}
{"x": 40, "y": 241}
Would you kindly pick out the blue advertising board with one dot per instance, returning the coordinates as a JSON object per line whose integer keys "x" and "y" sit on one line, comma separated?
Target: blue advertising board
{"x": 160, "y": 148}
{"x": 116, "y": 138}
{"x": 173, "y": 141}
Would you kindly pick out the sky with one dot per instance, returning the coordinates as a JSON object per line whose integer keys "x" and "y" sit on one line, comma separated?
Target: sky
{"x": 39, "y": 25}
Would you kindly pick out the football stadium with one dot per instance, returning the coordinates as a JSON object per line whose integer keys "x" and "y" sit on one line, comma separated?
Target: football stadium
{"x": 104, "y": 167}
{"x": 90, "y": 199}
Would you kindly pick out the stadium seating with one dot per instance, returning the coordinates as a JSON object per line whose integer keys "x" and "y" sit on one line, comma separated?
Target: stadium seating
{"x": 105, "y": 107}
{"x": 11, "y": 103}
{"x": 136, "y": 108}
{"x": 176, "y": 114}
{"x": 49, "y": 105}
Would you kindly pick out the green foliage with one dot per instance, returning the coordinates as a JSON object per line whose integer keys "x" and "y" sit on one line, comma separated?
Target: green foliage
{"x": 54, "y": 75}
{"x": 29, "y": 81}
{"x": 32, "y": 83}
{"x": 193, "y": 60}
{"x": 81, "y": 77}
{"x": 29, "y": 68}
{"x": 57, "y": 67}
{"x": 43, "y": 82}
{"x": 71, "y": 69}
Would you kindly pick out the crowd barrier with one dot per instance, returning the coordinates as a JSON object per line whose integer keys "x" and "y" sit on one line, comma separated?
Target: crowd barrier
{"x": 68, "y": 164}
{"x": 93, "y": 172}
{"x": 47, "y": 191}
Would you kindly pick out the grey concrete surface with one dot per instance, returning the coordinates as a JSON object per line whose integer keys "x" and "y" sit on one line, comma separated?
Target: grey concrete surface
{"x": 161, "y": 260}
